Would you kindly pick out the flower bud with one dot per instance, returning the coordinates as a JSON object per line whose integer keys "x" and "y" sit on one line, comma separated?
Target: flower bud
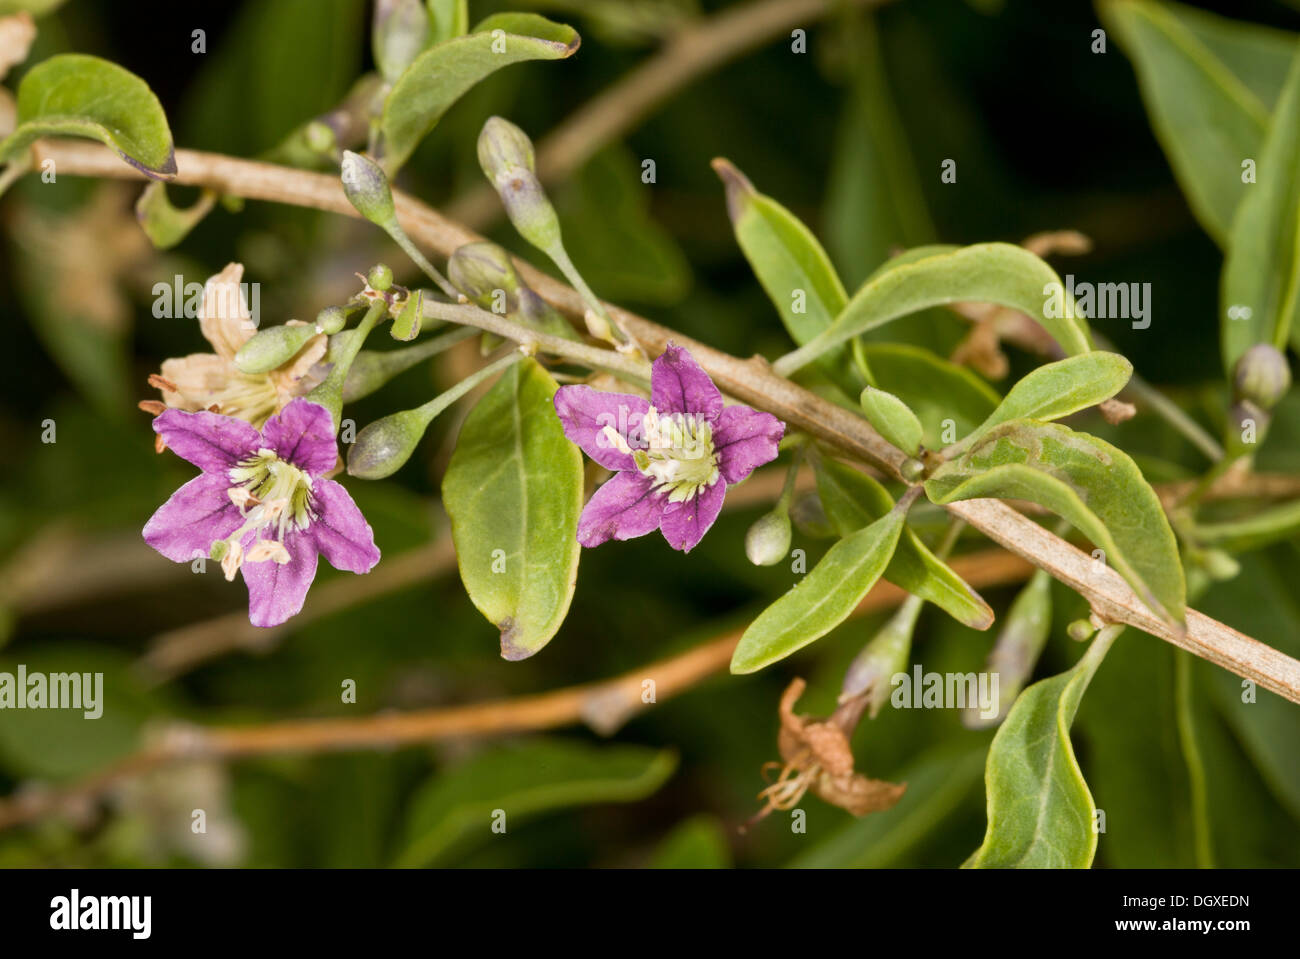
{"x": 1080, "y": 630}
{"x": 768, "y": 541}
{"x": 887, "y": 654}
{"x": 331, "y": 320}
{"x": 479, "y": 270}
{"x": 367, "y": 189}
{"x": 401, "y": 30}
{"x": 273, "y": 347}
{"x": 1219, "y": 565}
{"x": 1015, "y": 653}
{"x": 384, "y": 446}
{"x": 809, "y": 516}
{"x": 1261, "y": 376}
{"x": 380, "y": 277}
{"x": 911, "y": 469}
{"x": 506, "y": 155}
{"x": 320, "y": 137}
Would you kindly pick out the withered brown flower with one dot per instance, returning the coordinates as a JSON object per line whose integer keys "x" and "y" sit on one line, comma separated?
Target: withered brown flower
{"x": 818, "y": 756}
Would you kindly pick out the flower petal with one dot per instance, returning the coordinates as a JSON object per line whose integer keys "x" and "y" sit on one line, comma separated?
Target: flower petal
{"x": 624, "y": 508}
{"x": 303, "y": 434}
{"x": 744, "y": 439}
{"x": 212, "y": 442}
{"x": 224, "y": 318}
{"x": 199, "y": 378}
{"x": 275, "y": 591}
{"x": 685, "y": 523}
{"x": 341, "y": 533}
{"x": 586, "y": 412}
{"x": 679, "y": 385}
{"x": 197, "y": 514}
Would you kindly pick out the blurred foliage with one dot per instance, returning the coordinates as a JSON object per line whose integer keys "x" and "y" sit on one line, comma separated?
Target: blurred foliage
{"x": 850, "y": 138}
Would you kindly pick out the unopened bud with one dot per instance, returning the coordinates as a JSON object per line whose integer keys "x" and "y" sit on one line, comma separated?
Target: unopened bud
{"x": 768, "y": 541}
{"x": 809, "y": 516}
{"x": 401, "y": 29}
{"x": 320, "y": 137}
{"x": 1080, "y": 630}
{"x": 383, "y": 447}
{"x": 480, "y": 269}
{"x": 367, "y": 189}
{"x": 1015, "y": 653}
{"x": 1219, "y": 565}
{"x": 273, "y": 347}
{"x": 506, "y": 155}
{"x": 887, "y": 654}
{"x": 331, "y": 319}
{"x": 1261, "y": 376}
{"x": 380, "y": 277}
{"x": 911, "y": 469}
{"x": 1247, "y": 425}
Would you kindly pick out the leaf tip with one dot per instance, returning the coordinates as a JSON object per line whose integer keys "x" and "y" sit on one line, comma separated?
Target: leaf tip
{"x": 737, "y": 185}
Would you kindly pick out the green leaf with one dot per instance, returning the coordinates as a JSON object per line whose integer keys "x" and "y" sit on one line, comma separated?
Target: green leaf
{"x": 935, "y": 389}
{"x": 1207, "y": 120}
{"x": 892, "y": 419}
{"x": 73, "y": 94}
{"x": 698, "y": 843}
{"x": 1058, "y": 389}
{"x": 986, "y": 273}
{"x": 874, "y": 202}
{"x": 448, "y": 19}
{"x": 822, "y": 599}
{"x": 791, "y": 266}
{"x": 443, "y": 73}
{"x": 1262, "y": 271}
{"x": 1086, "y": 481}
{"x": 1039, "y": 808}
{"x": 513, "y": 490}
{"x": 163, "y": 223}
{"x": 524, "y": 781}
{"x": 853, "y": 499}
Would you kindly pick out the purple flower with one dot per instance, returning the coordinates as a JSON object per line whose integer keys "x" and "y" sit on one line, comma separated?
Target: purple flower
{"x": 674, "y": 455}
{"x": 261, "y": 504}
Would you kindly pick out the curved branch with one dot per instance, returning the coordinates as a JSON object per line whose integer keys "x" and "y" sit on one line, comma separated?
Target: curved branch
{"x": 604, "y": 706}
{"x": 750, "y": 381}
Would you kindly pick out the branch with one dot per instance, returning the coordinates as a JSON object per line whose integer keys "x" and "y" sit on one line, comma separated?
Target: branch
{"x": 750, "y": 381}
{"x": 604, "y": 706}
{"x": 692, "y": 52}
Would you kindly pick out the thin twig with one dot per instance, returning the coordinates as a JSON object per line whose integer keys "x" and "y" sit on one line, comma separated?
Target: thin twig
{"x": 604, "y": 706}
{"x": 692, "y": 52}
{"x": 750, "y": 381}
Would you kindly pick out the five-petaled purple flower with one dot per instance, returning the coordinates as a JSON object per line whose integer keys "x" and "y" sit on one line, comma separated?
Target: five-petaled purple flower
{"x": 262, "y": 504}
{"x": 674, "y": 454}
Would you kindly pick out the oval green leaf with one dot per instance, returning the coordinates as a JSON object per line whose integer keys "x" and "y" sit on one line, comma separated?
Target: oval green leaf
{"x": 936, "y": 389}
{"x": 1088, "y": 482}
{"x": 892, "y": 419}
{"x": 791, "y": 266}
{"x": 439, "y": 76}
{"x": 985, "y": 273}
{"x": 513, "y": 490}
{"x": 852, "y": 500}
{"x": 821, "y": 600}
{"x": 73, "y": 94}
{"x": 1206, "y": 119}
{"x": 1058, "y": 389}
{"x": 1039, "y": 807}
{"x": 1261, "y": 274}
